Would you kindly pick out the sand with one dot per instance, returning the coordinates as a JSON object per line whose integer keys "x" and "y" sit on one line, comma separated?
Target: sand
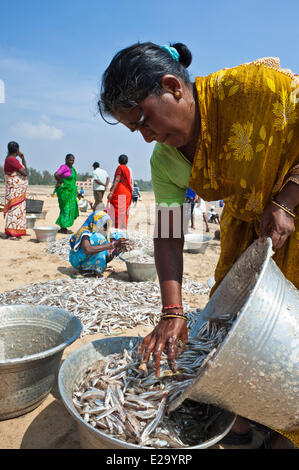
{"x": 25, "y": 262}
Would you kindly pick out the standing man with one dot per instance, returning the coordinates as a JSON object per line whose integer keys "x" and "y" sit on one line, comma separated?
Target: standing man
{"x": 100, "y": 184}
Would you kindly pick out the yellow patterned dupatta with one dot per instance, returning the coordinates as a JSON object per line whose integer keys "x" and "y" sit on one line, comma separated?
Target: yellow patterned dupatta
{"x": 248, "y": 149}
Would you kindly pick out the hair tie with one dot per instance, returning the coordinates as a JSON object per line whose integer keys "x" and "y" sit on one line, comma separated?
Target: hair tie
{"x": 172, "y": 51}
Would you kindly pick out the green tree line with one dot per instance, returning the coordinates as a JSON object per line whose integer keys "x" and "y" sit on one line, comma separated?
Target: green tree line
{"x": 36, "y": 177}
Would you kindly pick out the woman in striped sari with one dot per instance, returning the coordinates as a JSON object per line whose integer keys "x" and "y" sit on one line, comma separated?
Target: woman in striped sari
{"x": 233, "y": 135}
{"x": 16, "y": 182}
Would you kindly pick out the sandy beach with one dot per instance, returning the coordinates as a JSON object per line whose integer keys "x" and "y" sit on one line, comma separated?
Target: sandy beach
{"x": 26, "y": 262}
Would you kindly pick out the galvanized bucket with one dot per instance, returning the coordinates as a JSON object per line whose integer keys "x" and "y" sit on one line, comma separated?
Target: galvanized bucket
{"x": 46, "y": 234}
{"x": 73, "y": 370}
{"x": 32, "y": 340}
{"x": 254, "y": 372}
{"x": 30, "y": 220}
{"x": 140, "y": 271}
{"x": 197, "y": 242}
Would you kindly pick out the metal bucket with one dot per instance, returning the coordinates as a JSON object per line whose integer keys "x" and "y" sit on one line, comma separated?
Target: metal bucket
{"x": 254, "y": 372}
{"x": 46, "y": 234}
{"x": 140, "y": 271}
{"x": 73, "y": 370}
{"x": 30, "y": 220}
{"x": 32, "y": 340}
{"x": 197, "y": 242}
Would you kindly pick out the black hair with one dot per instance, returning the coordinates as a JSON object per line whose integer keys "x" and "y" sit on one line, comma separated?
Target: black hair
{"x": 96, "y": 165}
{"x": 123, "y": 159}
{"x": 69, "y": 155}
{"x": 13, "y": 147}
{"x": 137, "y": 71}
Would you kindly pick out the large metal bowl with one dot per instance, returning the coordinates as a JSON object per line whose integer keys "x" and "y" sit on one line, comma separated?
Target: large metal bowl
{"x": 46, "y": 234}
{"x": 73, "y": 370}
{"x": 197, "y": 242}
{"x": 254, "y": 371}
{"x": 32, "y": 340}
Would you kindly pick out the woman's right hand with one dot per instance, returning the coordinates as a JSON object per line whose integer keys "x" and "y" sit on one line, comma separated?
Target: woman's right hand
{"x": 170, "y": 334}
{"x": 109, "y": 196}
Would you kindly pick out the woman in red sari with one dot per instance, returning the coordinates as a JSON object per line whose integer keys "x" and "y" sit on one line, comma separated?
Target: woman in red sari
{"x": 16, "y": 183}
{"x": 120, "y": 196}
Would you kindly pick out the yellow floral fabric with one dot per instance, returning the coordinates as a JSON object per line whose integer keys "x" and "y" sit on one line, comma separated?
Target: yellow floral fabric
{"x": 248, "y": 149}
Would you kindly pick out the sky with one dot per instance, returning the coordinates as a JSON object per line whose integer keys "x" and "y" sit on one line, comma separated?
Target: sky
{"x": 53, "y": 54}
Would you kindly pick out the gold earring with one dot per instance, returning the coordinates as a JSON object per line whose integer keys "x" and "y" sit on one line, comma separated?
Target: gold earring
{"x": 177, "y": 95}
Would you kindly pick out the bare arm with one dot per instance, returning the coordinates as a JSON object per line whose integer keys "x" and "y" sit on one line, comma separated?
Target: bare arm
{"x": 114, "y": 186}
{"x": 119, "y": 245}
{"x": 58, "y": 179}
{"x": 23, "y": 171}
{"x": 276, "y": 222}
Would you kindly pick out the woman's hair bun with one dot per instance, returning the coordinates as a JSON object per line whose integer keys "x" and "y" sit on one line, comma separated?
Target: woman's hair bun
{"x": 185, "y": 54}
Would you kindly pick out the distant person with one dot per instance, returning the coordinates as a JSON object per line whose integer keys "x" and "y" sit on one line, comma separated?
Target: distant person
{"x": 213, "y": 217}
{"x": 83, "y": 203}
{"x": 200, "y": 209}
{"x": 16, "y": 182}
{"x": 120, "y": 196}
{"x": 136, "y": 194}
{"x": 100, "y": 184}
{"x": 66, "y": 190}
{"x": 94, "y": 245}
{"x": 190, "y": 199}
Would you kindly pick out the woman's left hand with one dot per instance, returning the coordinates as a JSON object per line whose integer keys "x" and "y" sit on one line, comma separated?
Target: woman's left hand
{"x": 277, "y": 224}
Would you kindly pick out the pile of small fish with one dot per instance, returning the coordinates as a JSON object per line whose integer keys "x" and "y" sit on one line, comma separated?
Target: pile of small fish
{"x": 138, "y": 256}
{"x": 104, "y": 305}
{"x": 120, "y": 398}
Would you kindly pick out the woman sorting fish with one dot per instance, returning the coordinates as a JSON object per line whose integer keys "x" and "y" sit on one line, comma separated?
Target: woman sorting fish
{"x": 232, "y": 135}
{"x": 94, "y": 245}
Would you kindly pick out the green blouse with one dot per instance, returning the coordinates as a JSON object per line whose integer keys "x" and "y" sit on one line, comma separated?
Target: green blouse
{"x": 170, "y": 175}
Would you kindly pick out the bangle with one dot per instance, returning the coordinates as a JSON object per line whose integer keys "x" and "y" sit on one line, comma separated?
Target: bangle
{"x": 168, "y": 307}
{"x": 284, "y": 208}
{"x": 174, "y": 316}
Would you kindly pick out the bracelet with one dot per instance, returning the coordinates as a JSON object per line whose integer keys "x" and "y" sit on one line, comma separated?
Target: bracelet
{"x": 284, "y": 208}
{"x": 168, "y": 307}
{"x": 174, "y": 316}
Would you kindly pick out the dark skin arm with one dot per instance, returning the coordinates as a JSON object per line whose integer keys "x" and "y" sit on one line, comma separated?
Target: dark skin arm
{"x": 23, "y": 171}
{"x": 170, "y": 333}
{"x": 113, "y": 188}
{"x": 103, "y": 184}
{"x": 118, "y": 245}
{"x": 275, "y": 222}
{"x": 58, "y": 179}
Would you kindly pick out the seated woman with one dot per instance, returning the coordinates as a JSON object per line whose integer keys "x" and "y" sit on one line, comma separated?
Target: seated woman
{"x": 93, "y": 246}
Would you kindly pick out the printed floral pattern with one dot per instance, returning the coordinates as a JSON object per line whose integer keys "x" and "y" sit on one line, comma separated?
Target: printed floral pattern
{"x": 240, "y": 141}
{"x": 284, "y": 111}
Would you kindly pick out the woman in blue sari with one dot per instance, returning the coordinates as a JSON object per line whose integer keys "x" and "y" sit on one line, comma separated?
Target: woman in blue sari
{"x": 93, "y": 246}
